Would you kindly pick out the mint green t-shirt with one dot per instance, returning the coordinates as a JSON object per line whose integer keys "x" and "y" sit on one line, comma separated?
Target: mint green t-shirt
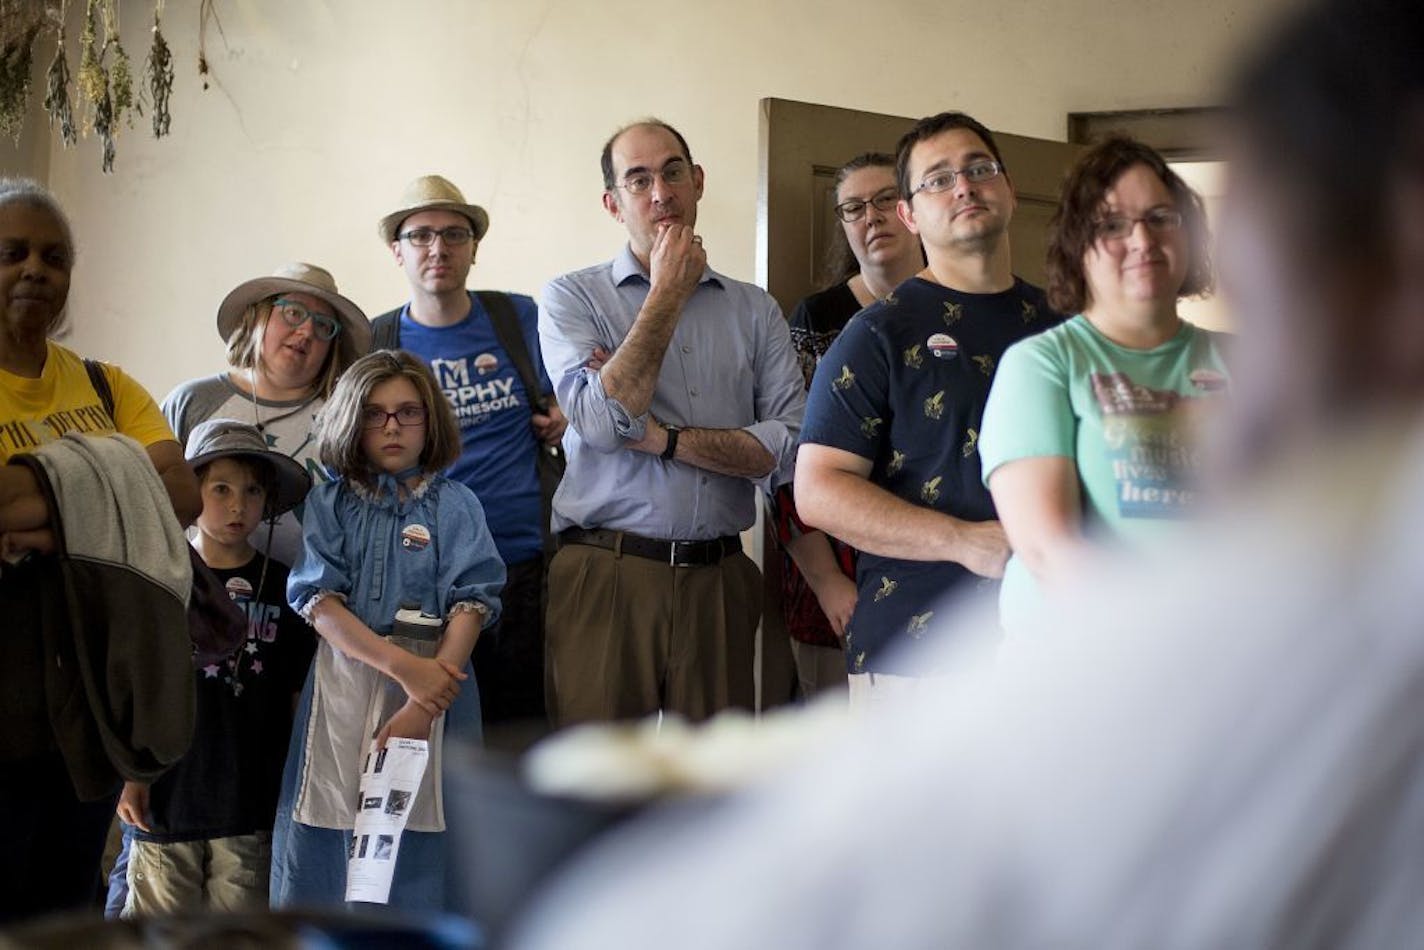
{"x": 1128, "y": 419}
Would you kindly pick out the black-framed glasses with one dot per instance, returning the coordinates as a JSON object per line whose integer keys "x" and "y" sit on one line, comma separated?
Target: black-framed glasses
{"x": 374, "y": 417}
{"x": 1159, "y": 221}
{"x": 854, "y": 209}
{"x": 294, "y": 314}
{"x": 424, "y": 237}
{"x": 976, "y": 174}
{"x": 673, "y": 173}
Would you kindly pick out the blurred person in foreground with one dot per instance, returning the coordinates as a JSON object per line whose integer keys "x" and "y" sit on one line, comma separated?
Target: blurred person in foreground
{"x": 1090, "y": 434}
{"x": 1232, "y": 753}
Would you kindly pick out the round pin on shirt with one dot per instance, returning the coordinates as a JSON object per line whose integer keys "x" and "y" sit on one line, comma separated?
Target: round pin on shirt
{"x": 942, "y": 346}
{"x": 1207, "y": 380}
{"x": 415, "y": 537}
{"x": 239, "y": 588}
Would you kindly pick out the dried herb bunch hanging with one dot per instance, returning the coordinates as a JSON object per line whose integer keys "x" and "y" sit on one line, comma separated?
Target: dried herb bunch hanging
{"x": 108, "y": 92}
{"x": 57, "y": 104}
{"x": 19, "y": 25}
{"x": 93, "y": 81}
{"x": 158, "y": 75}
{"x": 121, "y": 85}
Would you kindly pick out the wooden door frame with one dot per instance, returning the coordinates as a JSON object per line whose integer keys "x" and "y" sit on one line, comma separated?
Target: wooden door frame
{"x": 795, "y": 179}
{"x": 1181, "y": 135}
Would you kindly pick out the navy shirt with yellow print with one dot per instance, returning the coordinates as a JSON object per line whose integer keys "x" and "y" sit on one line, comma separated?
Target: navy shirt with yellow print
{"x": 905, "y": 386}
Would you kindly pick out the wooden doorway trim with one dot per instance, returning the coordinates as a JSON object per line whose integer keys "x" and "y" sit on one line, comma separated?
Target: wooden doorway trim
{"x": 800, "y": 146}
{"x": 1181, "y": 135}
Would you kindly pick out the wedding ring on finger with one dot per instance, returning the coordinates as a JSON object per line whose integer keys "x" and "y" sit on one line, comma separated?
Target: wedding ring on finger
{"x": 697, "y": 239}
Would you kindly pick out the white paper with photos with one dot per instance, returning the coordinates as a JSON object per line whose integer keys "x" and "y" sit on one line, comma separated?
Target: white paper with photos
{"x": 389, "y": 780}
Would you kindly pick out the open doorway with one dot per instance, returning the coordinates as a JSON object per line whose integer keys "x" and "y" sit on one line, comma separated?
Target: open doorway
{"x": 1207, "y": 179}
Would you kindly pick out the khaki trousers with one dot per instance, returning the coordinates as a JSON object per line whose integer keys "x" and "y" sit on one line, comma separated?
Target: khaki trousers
{"x": 216, "y": 874}
{"x": 627, "y": 636}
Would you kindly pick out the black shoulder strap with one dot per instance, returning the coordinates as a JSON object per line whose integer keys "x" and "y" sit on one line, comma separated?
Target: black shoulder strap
{"x": 385, "y": 331}
{"x": 100, "y": 382}
{"x": 506, "y": 329}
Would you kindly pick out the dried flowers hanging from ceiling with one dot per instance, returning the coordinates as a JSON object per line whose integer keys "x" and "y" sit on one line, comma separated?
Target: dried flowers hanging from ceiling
{"x": 103, "y": 89}
{"x": 18, "y": 28}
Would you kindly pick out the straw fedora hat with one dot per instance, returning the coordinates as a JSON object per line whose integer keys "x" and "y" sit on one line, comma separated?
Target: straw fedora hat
{"x": 433, "y": 193}
{"x": 224, "y": 438}
{"x": 352, "y": 342}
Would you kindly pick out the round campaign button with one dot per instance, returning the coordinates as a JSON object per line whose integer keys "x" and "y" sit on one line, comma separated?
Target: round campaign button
{"x": 943, "y": 346}
{"x": 239, "y": 588}
{"x": 1207, "y": 380}
{"x": 415, "y": 537}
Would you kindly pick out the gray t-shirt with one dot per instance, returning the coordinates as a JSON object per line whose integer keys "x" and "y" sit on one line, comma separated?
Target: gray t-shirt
{"x": 290, "y": 428}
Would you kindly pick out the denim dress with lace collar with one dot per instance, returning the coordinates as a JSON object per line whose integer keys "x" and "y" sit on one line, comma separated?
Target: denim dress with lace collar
{"x": 380, "y": 552}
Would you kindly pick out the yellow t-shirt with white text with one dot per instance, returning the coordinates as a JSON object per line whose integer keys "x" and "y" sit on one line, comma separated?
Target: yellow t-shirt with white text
{"x": 36, "y": 411}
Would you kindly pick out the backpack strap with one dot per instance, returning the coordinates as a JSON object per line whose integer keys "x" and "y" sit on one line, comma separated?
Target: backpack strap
{"x": 506, "y": 329}
{"x": 385, "y": 331}
{"x": 100, "y": 382}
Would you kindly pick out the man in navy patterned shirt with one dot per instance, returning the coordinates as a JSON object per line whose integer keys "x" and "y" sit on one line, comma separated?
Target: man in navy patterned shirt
{"x": 889, "y": 458}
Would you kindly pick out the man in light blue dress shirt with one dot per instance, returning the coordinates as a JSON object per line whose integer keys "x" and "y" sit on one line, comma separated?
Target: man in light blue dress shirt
{"x": 684, "y": 399}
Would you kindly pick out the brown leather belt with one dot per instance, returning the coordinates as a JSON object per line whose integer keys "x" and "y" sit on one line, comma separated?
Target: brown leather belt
{"x": 671, "y": 553}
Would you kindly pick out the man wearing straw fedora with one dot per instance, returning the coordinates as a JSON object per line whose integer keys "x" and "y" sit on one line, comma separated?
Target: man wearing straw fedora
{"x": 684, "y": 399}
{"x": 483, "y": 347}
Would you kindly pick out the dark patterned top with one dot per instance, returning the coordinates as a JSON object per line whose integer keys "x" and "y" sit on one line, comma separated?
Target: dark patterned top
{"x": 905, "y": 386}
{"x": 817, "y": 321}
{"x": 815, "y": 324}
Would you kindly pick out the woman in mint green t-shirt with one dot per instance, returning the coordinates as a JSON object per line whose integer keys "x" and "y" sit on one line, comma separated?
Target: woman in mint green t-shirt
{"x": 1090, "y": 430}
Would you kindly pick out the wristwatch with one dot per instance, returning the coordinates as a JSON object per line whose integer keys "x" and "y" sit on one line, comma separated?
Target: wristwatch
{"x": 671, "y": 449}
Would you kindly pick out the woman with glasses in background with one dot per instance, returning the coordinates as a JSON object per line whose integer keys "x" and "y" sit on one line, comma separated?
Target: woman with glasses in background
{"x": 878, "y": 253}
{"x": 289, "y": 336}
{"x": 1090, "y": 430}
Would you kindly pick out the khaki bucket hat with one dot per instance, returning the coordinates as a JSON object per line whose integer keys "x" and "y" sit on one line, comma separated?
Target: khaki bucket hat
{"x": 433, "y": 193}
{"x": 352, "y": 342}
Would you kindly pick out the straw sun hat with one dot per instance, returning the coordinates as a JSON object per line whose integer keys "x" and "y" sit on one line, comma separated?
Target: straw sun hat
{"x": 352, "y": 342}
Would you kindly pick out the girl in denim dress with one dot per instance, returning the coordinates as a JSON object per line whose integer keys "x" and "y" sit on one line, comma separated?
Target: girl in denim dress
{"x": 387, "y": 536}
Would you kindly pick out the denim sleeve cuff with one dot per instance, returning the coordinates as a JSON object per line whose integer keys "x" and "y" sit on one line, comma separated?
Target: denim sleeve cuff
{"x": 318, "y": 597}
{"x": 469, "y": 606}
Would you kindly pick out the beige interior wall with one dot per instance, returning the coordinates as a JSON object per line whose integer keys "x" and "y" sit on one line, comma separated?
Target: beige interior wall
{"x": 318, "y": 112}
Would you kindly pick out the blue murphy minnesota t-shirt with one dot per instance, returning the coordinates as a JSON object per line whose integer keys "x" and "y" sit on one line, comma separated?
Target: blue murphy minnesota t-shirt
{"x": 904, "y": 386}
{"x": 499, "y": 449}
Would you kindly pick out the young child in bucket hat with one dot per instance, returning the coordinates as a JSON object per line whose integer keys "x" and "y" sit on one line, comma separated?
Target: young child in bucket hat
{"x": 200, "y": 837}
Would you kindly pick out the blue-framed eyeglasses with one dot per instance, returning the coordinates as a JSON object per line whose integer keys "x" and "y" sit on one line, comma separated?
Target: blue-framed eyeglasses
{"x": 294, "y": 314}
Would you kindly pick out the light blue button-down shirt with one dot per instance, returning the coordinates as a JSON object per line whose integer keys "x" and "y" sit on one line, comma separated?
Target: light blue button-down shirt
{"x": 729, "y": 366}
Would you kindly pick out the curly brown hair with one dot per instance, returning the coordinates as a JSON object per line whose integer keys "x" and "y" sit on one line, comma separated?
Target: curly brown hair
{"x": 339, "y": 437}
{"x": 1074, "y": 226}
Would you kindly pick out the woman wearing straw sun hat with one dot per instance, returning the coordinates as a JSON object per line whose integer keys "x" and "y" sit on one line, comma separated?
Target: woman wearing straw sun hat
{"x": 289, "y": 336}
